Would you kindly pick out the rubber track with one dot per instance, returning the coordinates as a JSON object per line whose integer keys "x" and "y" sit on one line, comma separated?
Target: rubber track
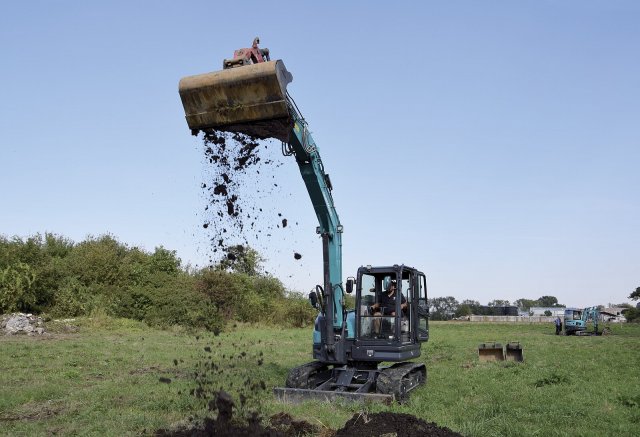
{"x": 303, "y": 376}
{"x": 395, "y": 380}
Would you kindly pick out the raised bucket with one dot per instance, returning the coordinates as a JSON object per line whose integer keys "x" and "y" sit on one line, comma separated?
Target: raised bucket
{"x": 250, "y": 99}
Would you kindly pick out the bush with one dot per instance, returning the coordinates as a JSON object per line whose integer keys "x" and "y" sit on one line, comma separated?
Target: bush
{"x": 632, "y": 315}
{"x": 295, "y": 311}
{"x": 226, "y": 290}
{"x": 72, "y": 299}
{"x": 16, "y": 288}
{"x": 103, "y": 276}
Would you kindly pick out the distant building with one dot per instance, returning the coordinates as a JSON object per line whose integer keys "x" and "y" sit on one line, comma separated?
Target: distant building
{"x": 555, "y": 311}
{"x": 613, "y": 315}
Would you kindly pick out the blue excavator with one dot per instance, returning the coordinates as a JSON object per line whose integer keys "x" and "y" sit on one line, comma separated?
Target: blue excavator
{"x": 249, "y": 96}
{"x": 575, "y": 321}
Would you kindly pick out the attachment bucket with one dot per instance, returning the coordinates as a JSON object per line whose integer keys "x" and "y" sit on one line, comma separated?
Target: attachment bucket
{"x": 490, "y": 352}
{"x": 514, "y": 352}
{"x": 250, "y": 99}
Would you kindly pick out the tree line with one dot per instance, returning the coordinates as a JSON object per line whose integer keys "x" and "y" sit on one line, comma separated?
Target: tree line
{"x": 52, "y": 275}
{"x": 446, "y": 308}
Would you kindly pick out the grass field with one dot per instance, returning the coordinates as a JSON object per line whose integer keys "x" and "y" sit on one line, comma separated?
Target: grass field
{"x": 105, "y": 380}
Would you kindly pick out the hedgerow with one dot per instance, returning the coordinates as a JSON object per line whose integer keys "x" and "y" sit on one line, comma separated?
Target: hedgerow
{"x": 51, "y": 274}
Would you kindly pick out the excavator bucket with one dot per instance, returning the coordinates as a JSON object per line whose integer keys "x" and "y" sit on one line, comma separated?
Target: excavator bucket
{"x": 250, "y": 99}
{"x": 514, "y": 352}
{"x": 490, "y": 352}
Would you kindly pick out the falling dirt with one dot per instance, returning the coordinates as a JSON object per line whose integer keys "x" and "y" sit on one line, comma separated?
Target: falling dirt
{"x": 239, "y": 192}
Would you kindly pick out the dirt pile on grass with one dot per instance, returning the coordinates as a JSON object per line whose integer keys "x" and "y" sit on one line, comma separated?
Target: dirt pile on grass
{"x": 392, "y": 424}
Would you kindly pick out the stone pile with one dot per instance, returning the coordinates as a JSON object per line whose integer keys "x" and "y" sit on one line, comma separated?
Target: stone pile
{"x": 20, "y": 323}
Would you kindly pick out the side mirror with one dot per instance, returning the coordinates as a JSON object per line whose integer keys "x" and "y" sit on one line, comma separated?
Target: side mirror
{"x": 350, "y": 282}
{"x": 313, "y": 299}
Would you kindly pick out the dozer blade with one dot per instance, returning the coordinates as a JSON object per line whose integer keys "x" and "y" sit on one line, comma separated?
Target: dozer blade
{"x": 490, "y": 352}
{"x": 297, "y": 395}
{"x": 251, "y": 99}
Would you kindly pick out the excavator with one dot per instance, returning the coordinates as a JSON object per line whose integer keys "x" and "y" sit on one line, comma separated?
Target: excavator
{"x": 575, "y": 321}
{"x": 249, "y": 96}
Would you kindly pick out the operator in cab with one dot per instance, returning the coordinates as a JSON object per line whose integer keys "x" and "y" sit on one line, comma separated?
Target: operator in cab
{"x": 387, "y": 304}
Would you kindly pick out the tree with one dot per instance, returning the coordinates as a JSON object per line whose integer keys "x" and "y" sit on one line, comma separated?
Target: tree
{"x": 635, "y": 295}
{"x": 499, "y": 303}
{"x": 547, "y": 313}
{"x": 163, "y": 260}
{"x": 548, "y": 301}
{"x": 526, "y": 304}
{"x": 443, "y": 307}
{"x": 467, "y": 308}
{"x": 463, "y": 311}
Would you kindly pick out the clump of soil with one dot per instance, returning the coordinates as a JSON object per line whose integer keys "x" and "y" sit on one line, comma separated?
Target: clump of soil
{"x": 396, "y": 424}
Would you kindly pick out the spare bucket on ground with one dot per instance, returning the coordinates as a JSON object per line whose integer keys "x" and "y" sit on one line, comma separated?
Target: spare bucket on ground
{"x": 514, "y": 352}
{"x": 490, "y": 352}
{"x": 250, "y": 99}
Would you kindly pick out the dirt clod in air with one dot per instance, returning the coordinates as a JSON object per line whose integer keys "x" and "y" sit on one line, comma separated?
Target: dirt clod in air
{"x": 296, "y": 255}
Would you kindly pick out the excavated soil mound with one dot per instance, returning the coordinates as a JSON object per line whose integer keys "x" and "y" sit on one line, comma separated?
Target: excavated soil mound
{"x": 390, "y": 424}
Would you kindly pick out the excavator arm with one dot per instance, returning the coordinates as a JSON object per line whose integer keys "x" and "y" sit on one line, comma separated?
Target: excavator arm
{"x": 252, "y": 99}
{"x": 305, "y": 150}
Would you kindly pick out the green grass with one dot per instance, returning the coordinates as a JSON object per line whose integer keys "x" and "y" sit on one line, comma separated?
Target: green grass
{"x": 104, "y": 380}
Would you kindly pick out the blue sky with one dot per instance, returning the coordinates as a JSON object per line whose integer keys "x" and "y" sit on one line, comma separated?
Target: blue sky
{"x": 495, "y": 145}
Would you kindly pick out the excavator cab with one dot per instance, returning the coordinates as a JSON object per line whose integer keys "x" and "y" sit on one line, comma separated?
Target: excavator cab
{"x": 392, "y": 308}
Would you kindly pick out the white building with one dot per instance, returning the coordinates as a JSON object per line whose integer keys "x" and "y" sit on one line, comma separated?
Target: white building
{"x": 555, "y": 311}
{"x": 612, "y": 315}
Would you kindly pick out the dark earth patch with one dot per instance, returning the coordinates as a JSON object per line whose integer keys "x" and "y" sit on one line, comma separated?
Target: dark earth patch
{"x": 396, "y": 424}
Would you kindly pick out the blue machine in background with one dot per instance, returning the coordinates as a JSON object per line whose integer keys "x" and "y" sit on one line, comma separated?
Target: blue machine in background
{"x": 575, "y": 320}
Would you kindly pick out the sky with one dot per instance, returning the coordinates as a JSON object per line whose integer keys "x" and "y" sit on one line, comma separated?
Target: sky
{"x": 494, "y": 145}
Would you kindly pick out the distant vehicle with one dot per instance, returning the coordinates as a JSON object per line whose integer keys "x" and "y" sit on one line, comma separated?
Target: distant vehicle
{"x": 575, "y": 320}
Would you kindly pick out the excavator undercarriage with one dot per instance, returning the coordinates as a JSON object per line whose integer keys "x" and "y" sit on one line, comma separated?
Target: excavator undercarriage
{"x": 356, "y": 381}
